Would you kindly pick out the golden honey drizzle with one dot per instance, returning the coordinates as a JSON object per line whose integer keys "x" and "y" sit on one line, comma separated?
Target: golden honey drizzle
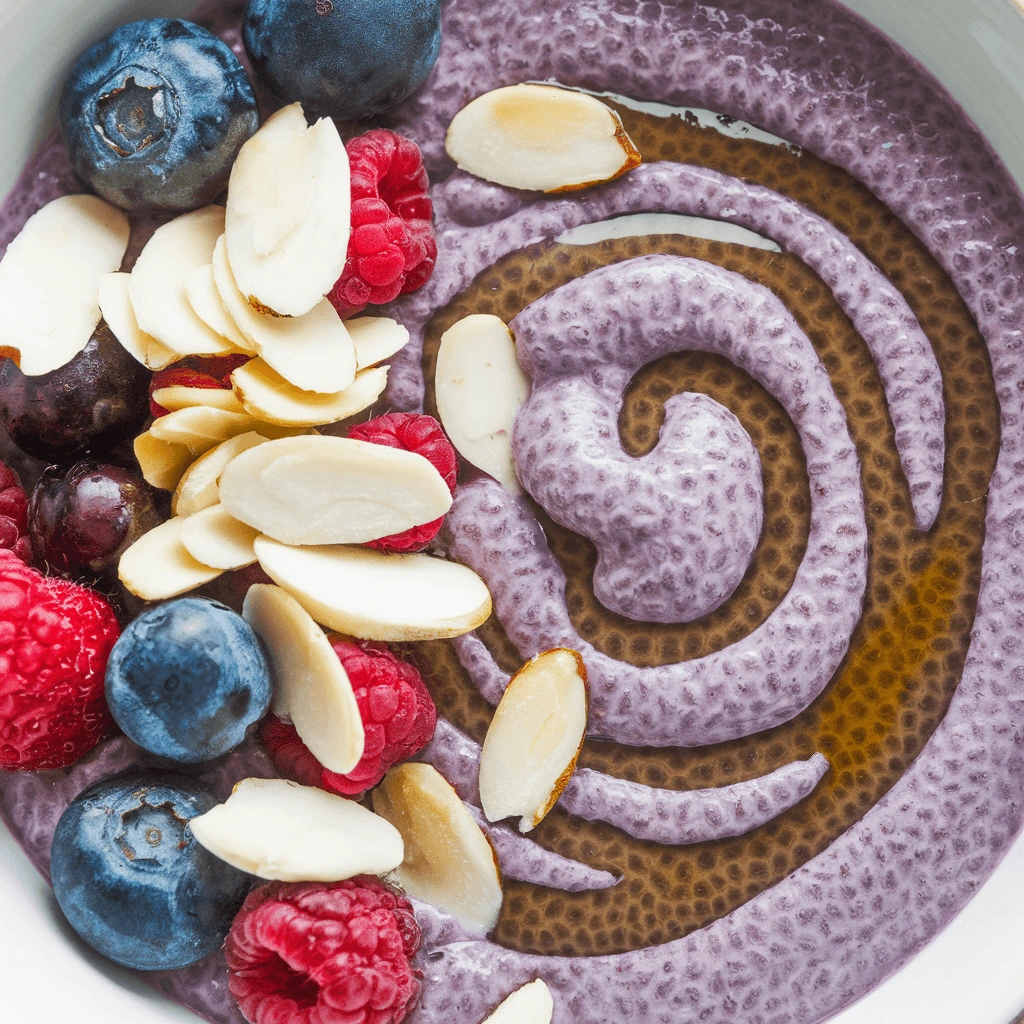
{"x": 907, "y": 653}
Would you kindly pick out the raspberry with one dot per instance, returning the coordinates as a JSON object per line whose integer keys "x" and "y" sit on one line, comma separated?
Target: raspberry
{"x": 195, "y": 372}
{"x": 55, "y": 638}
{"x": 324, "y": 953}
{"x": 423, "y": 435}
{"x": 398, "y": 718}
{"x": 392, "y": 249}
{"x": 14, "y": 515}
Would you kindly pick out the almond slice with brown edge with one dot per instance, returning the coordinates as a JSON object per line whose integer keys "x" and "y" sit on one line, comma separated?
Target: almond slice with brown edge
{"x": 332, "y": 490}
{"x": 280, "y": 830}
{"x": 50, "y": 277}
{"x": 376, "y": 338}
{"x": 265, "y": 394}
{"x": 531, "y": 1004}
{"x": 198, "y": 487}
{"x": 206, "y": 303}
{"x": 313, "y": 352}
{"x": 478, "y": 387}
{"x": 179, "y": 397}
{"x": 216, "y": 538}
{"x": 288, "y": 213}
{"x": 449, "y": 862}
{"x": 157, "y": 285}
{"x": 311, "y": 686}
{"x": 378, "y": 596}
{"x": 158, "y": 566}
{"x": 534, "y": 738}
{"x": 542, "y": 138}
{"x": 162, "y": 462}
{"x": 116, "y": 307}
{"x": 200, "y": 427}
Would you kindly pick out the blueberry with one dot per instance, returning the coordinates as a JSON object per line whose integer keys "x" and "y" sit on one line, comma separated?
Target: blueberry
{"x": 186, "y": 679}
{"x": 343, "y": 58}
{"x": 133, "y": 881}
{"x": 154, "y": 115}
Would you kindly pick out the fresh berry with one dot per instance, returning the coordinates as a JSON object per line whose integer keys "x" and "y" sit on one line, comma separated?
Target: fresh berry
{"x": 414, "y": 433}
{"x": 398, "y": 719}
{"x": 132, "y": 879}
{"x": 187, "y": 679}
{"x": 345, "y": 60}
{"x": 392, "y": 249}
{"x": 180, "y": 377}
{"x": 324, "y": 953}
{"x": 81, "y": 519}
{"x": 86, "y": 407}
{"x": 14, "y": 515}
{"x": 154, "y": 115}
{"x": 55, "y": 639}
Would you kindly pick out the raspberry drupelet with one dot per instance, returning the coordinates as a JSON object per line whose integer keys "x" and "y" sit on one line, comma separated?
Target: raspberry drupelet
{"x": 423, "y": 435}
{"x": 324, "y": 953}
{"x": 14, "y": 515}
{"x": 392, "y": 249}
{"x": 55, "y": 639}
{"x": 398, "y": 719}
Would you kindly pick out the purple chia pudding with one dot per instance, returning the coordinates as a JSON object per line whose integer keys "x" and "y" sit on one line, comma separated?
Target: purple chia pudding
{"x": 675, "y": 530}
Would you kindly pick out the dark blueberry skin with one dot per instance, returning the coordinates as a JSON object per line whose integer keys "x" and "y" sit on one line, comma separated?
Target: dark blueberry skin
{"x": 133, "y": 881}
{"x": 154, "y": 115}
{"x": 85, "y": 407}
{"x": 82, "y": 518}
{"x": 186, "y": 679}
{"x": 348, "y": 59}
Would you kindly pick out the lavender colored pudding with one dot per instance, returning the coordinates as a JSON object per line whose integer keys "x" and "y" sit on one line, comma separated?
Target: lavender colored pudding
{"x": 820, "y": 78}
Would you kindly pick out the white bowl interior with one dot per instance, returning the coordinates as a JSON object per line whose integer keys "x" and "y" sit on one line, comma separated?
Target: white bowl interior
{"x": 972, "y": 974}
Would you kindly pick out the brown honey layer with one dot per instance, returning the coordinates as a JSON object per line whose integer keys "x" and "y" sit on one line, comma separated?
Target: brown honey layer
{"x": 907, "y": 653}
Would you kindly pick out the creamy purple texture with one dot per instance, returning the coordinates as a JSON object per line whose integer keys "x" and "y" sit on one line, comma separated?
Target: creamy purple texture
{"x": 814, "y": 74}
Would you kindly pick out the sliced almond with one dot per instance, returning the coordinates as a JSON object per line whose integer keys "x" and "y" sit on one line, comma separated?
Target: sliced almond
{"x": 449, "y": 862}
{"x": 162, "y": 462}
{"x": 311, "y": 686}
{"x": 200, "y": 427}
{"x": 265, "y": 394}
{"x": 206, "y": 303}
{"x": 378, "y": 596}
{"x": 49, "y": 280}
{"x": 541, "y": 138}
{"x": 288, "y": 213}
{"x": 376, "y": 338}
{"x": 332, "y": 490}
{"x": 157, "y": 286}
{"x": 478, "y": 387}
{"x": 216, "y": 538}
{"x": 158, "y": 566}
{"x": 280, "y": 830}
{"x": 116, "y": 307}
{"x": 531, "y": 1004}
{"x": 534, "y": 738}
{"x": 198, "y": 487}
{"x": 179, "y": 397}
{"x": 313, "y": 352}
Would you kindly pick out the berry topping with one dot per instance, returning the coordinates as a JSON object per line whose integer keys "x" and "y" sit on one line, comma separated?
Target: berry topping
{"x": 212, "y": 372}
{"x": 14, "y": 515}
{"x": 345, "y": 60}
{"x": 55, "y": 638}
{"x": 187, "y": 679}
{"x": 398, "y": 720}
{"x": 132, "y": 879}
{"x": 392, "y": 249}
{"x": 81, "y": 519}
{"x": 154, "y": 114}
{"x": 415, "y": 433}
{"x": 324, "y": 953}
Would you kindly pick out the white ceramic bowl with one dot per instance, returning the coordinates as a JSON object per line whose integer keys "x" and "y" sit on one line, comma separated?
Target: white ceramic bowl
{"x": 973, "y": 973}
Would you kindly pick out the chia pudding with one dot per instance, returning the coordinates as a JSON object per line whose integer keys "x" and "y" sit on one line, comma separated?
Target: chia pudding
{"x": 675, "y": 531}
